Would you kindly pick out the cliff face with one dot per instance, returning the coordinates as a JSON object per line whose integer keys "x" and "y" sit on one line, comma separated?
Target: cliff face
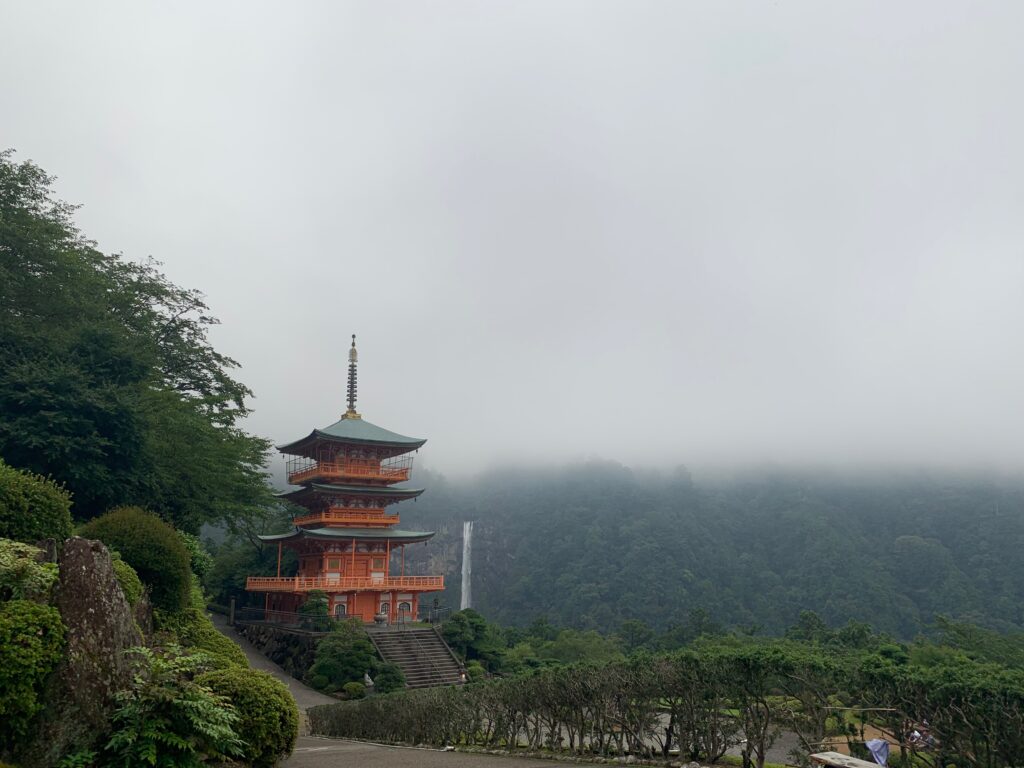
{"x": 99, "y": 629}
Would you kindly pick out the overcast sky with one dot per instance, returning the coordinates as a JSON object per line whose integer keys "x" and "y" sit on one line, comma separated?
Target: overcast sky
{"x": 658, "y": 233}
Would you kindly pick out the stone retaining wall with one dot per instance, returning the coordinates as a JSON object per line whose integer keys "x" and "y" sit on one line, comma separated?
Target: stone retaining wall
{"x": 291, "y": 651}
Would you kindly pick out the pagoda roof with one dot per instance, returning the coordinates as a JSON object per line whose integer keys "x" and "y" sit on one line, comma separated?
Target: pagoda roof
{"x": 386, "y": 492}
{"x": 351, "y": 430}
{"x": 341, "y": 534}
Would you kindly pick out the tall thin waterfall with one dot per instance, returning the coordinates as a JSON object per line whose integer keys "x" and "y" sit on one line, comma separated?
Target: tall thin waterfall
{"x": 467, "y": 565}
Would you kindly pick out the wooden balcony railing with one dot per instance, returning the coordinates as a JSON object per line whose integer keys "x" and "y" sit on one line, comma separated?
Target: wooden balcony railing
{"x": 359, "y": 469}
{"x": 333, "y": 516}
{"x": 342, "y": 584}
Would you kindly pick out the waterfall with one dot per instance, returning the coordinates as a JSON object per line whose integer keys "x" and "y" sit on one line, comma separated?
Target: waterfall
{"x": 467, "y": 565}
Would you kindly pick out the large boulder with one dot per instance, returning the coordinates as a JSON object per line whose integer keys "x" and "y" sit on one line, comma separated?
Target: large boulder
{"x": 99, "y": 629}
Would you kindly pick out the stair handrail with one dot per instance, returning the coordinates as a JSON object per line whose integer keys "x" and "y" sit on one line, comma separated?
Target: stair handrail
{"x": 419, "y": 645}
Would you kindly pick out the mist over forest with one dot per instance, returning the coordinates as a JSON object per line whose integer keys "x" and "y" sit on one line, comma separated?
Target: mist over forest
{"x": 594, "y": 544}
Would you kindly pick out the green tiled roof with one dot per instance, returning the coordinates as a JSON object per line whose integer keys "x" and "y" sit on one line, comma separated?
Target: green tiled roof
{"x": 407, "y": 537}
{"x": 347, "y": 430}
{"x": 384, "y": 492}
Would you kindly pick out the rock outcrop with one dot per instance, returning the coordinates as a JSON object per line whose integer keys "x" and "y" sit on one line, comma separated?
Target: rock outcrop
{"x": 99, "y": 629}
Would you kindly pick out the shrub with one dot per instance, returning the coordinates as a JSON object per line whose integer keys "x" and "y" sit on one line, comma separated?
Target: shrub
{"x": 344, "y": 656}
{"x": 167, "y": 718}
{"x": 354, "y": 690}
{"x": 389, "y": 678}
{"x": 31, "y": 640}
{"x": 32, "y": 507}
{"x": 152, "y": 548}
{"x": 268, "y": 719}
{"x": 22, "y": 577}
{"x": 200, "y": 561}
{"x": 192, "y": 628}
{"x": 319, "y": 681}
{"x": 126, "y": 576}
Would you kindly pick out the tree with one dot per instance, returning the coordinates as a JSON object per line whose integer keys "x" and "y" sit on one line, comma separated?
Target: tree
{"x": 108, "y": 382}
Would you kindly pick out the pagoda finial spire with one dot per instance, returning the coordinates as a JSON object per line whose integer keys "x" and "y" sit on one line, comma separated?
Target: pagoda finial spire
{"x": 353, "y": 358}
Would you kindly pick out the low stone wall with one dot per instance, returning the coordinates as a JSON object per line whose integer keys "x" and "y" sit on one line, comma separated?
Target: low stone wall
{"x": 291, "y": 651}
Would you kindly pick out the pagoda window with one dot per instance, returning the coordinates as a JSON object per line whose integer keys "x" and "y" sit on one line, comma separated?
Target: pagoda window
{"x": 378, "y": 563}
{"x": 334, "y": 564}
{"x": 340, "y": 611}
{"x": 405, "y": 608}
{"x": 385, "y": 608}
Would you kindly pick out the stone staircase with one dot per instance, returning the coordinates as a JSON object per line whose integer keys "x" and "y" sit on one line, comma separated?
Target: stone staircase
{"x": 423, "y": 656}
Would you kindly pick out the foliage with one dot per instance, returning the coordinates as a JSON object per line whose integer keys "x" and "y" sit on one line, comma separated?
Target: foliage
{"x": 388, "y": 677}
{"x": 168, "y": 719}
{"x": 242, "y": 554}
{"x": 268, "y": 719}
{"x": 108, "y": 381}
{"x": 354, "y": 690}
{"x": 152, "y": 548}
{"x": 193, "y": 629}
{"x": 344, "y": 656}
{"x": 723, "y": 693}
{"x": 32, "y": 507}
{"x": 752, "y": 549}
{"x": 83, "y": 758}
{"x": 128, "y": 579}
{"x": 31, "y": 641}
{"x": 22, "y": 576}
{"x": 200, "y": 560}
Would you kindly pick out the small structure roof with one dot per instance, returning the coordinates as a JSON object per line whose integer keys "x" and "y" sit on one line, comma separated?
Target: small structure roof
{"x": 386, "y": 493}
{"x": 354, "y": 430}
{"x": 343, "y": 534}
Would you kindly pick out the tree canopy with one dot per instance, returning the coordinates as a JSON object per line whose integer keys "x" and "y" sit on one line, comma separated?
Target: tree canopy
{"x": 108, "y": 381}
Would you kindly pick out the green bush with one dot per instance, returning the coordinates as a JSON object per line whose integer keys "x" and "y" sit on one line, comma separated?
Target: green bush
{"x": 192, "y": 628}
{"x": 32, "y": 507}
{"x": 126, "y": 576}
{"x": 31, "y": 641}
{"x": 22, "y": 576}
{"x": 201, "y": 561}
{"x": 354, "y": 690}
{"x": 389, "y": 677}
{"x": 169, "y": 719}
{"x": 319, "y": 681}
{"x": 344, "y": 656}
{"x": 152, "y": 548}
{"x": 268, "y": 719}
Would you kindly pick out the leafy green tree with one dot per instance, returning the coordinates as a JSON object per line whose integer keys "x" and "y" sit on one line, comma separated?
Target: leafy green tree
{"x": 108, "y": 382}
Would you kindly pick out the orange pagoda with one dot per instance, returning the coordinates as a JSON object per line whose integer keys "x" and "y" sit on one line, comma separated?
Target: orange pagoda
{"x": 346, "y": 536}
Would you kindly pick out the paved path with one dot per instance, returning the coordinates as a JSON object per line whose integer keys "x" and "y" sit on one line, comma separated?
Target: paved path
{"x": 314, "y": 752}
{"x": 305, "y": 696}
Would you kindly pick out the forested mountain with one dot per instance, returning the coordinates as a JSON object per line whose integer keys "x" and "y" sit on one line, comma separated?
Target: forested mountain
{"x": 590, "y": 546}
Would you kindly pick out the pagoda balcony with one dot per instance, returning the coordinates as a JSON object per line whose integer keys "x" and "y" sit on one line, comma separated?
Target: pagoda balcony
{"x": 302, "y": 470}
{"x": 343, "y": 584}
{"x": 355, "y": 518}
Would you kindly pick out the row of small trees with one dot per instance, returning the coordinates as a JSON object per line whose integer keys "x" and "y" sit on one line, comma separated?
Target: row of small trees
{"x": 707, "y": 700}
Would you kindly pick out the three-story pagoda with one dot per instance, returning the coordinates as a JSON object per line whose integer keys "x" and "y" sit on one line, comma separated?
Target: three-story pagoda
{"x": 346, "y": 534}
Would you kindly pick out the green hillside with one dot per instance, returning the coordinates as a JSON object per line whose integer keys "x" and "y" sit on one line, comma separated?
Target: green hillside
{"x": 593, "y": 545}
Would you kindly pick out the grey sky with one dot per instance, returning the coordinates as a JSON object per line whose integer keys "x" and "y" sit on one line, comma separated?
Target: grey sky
{"x": 651, "y": 232}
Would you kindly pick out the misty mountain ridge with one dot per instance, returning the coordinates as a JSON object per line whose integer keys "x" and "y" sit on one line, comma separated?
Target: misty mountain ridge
{"x": 594, "y": 544}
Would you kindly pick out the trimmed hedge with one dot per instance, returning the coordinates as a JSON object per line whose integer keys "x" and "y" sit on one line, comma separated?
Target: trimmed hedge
{"x": 32, "y": 507}
{"x": 31, "y": 642}
{"x": 152, "y": 548}
{"x": 268, "y": 717}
